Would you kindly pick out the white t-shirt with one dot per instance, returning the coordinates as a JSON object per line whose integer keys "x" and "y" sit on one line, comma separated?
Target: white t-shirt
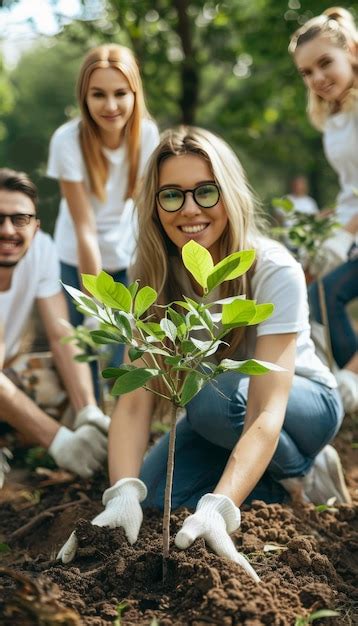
{"x": 278, "y": 279}
{"x": 340, "y": 143}
{"x": 115, "y": 220}
{"x": 37, "y": 275}
{"x": 303, "y": 204}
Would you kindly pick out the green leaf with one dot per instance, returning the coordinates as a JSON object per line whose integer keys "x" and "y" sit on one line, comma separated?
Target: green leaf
{"x": 106, "y": 290}
{"x": 187, "y": 347}
{"x": 169, "y": 328}
{"x": 231, "y": 267}
{"x": 133, "y": 288}
{"x": 238, "y": 313}
{"x": 263, "y": 312}
{"x": 192, "y": 385}
{"x": 85, "y": 358}
{"x": 122, "y": 320}
{"x": 173, "y": 360}
{"x": 104, "y": 336}
{"x": 208, "y": 347}
{"x": 88, "y": 307}
{"x": 283, "y": 203}
{"x": 152, "y": 329}
{"x": 89, "y": 304}
{"x": 198, "y": 261}
{"x": 322, "y": 613}
{"x": 176, "y": 317}
{"x": 320, "y": 508}
{"x": 133, "y": 379}
{"x": 145, "y": 298}
{"x": 113, "y": 372}
{"x": 135, "y": 353}
{"x": 4, "y": 548}
{"x": 252, "y": 367}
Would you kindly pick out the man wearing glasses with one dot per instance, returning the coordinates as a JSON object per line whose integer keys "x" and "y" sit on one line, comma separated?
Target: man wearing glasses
{"x": 29, "y": 274}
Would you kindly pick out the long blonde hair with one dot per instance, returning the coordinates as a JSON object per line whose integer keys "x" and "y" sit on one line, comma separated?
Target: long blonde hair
{"x": 155, "y": 252}
{"x": 120, "y": 58}
{"x": 337, "y": 25}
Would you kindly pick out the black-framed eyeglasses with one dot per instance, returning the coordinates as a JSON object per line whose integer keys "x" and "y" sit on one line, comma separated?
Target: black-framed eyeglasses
{"x": 172, "y": 199}
{"x": 19, "y": 220}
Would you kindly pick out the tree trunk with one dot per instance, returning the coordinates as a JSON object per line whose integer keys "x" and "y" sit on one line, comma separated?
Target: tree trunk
{"x": 189, "y": 68}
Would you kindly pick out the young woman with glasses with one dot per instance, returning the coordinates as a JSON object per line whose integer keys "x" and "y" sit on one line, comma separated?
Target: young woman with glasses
{"x": 242, "y": 438}
{"x": 98, "y": 159}
{"x": 325, "y": 51}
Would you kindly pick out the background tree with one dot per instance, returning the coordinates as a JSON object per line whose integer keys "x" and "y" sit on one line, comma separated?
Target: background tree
{"x": 219, "y": 64}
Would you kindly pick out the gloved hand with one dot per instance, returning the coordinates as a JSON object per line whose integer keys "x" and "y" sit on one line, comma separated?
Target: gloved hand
{"x": 92, "y": 415}
{"x": 216, "y": 516}
{"x": 5, "y": 454}
{"x": 348, "y": 388}
{"x": 334, "y": 251}
{"x": 82, "y": 452}
{"x": 122, "y": 509}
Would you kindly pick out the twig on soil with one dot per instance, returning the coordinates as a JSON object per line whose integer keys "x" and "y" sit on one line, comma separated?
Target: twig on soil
{"x": 23, "y": 530}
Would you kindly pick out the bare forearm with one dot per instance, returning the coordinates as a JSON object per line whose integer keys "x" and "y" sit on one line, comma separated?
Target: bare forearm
{"x": 75, "y": 376}
{"x": 127, "y": 445}
{"x": 89, "y": 256}
{"x": 250, "y": 458}
{"x": 24, "y": 415}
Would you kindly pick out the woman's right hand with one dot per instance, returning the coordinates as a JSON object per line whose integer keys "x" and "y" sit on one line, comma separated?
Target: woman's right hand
{"x": 122, "y": 509}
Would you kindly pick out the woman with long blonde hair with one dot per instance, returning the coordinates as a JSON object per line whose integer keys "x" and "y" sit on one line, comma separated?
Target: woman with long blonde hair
{"x": 240, "y": 439}
{"x": 325, "y": 51}
{"x": 99, "y": 159}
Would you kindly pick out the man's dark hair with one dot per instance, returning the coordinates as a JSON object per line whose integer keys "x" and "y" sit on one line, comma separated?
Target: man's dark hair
{"x": 11, "y": 180}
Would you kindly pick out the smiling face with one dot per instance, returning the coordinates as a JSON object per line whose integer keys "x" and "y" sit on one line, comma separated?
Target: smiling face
{"x": 110, "y": 102}
{"x": 15, "y": 241}
{"x": 205, "y": 226}
{"x": 326, "y": 69}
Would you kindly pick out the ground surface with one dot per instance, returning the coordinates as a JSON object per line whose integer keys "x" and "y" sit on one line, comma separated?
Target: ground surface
{"x": 315, "y": 566}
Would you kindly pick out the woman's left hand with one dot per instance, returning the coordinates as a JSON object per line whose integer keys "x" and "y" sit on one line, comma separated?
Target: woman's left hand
{"x": 215, "y": 517}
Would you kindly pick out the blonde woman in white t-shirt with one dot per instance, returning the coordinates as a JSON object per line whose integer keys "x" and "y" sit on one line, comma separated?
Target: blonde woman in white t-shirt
{"x": 241, "y": 438}
{"x": 98, "y": 160}
{"x": 325, "y": 51}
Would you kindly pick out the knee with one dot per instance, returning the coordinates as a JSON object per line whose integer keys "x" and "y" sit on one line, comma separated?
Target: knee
{"x": 217, "y": 413}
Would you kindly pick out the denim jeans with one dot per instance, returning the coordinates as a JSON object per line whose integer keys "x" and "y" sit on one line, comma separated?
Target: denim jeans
{"x": 340, "y": 288}
{"x": 70, "y": 276}
{"x": 212, "y": 426}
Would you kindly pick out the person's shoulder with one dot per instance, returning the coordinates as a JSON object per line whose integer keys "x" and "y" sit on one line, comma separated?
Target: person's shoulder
{"x": 43, "y": 243}
{"x": 149, "y": 128}
{"x": 270, "y": 251}
{"x": 67, "y": 131}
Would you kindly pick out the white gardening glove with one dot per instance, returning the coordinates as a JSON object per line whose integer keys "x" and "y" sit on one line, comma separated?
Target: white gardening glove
{"x": 348, "y": 389}
{"x": 122, "y": 509}
{"x": 92, "y": 415}
{"x": 82, "y": 452}
{"x": 5, "y": 455}
{"x": 333, "y": 252}
{"x": 216, "y": 516}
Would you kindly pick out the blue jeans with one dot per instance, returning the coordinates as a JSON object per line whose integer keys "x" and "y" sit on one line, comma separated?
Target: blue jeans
{"x": 212, "y": 426}
{"x": 70, "y": 276}
{"x": 340, "y": 288}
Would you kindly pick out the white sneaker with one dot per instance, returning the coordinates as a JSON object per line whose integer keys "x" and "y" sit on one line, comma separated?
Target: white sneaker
{"x": 325, "y": 480}
{"x": 348, "y": 388}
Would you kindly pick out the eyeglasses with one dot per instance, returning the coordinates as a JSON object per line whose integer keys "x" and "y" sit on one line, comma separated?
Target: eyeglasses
{"x": 19, "y": 220}
{"x": 172, "y": 199}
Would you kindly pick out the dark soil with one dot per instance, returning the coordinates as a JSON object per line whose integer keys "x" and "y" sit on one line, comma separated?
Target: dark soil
{"x": 313, "y": 567}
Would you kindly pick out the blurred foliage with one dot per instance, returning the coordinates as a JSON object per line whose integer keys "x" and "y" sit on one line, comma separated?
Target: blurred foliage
{"x": 223, "y": 65}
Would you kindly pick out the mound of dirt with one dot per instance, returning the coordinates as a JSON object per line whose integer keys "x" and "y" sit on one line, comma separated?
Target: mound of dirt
{"x": 306, "y": 559}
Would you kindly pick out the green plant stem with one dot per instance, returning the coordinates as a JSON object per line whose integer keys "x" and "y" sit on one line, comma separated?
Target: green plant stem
{"x": 168, "y": 490}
